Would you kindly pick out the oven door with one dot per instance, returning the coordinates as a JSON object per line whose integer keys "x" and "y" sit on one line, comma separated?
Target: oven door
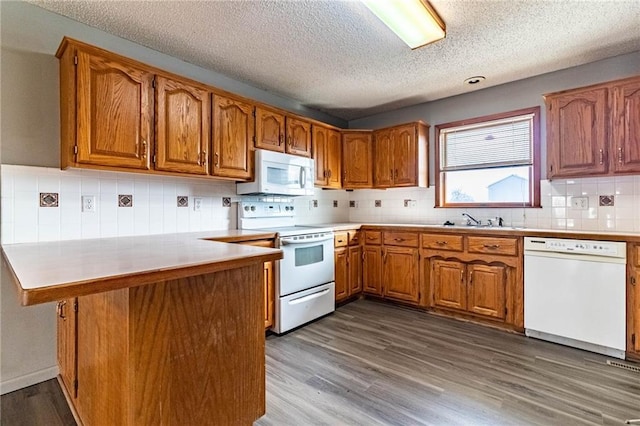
{"x": 305, "y": 264}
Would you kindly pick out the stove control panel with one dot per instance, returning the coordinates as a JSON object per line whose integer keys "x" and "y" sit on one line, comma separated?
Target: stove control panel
{"x": 261, "y": 209}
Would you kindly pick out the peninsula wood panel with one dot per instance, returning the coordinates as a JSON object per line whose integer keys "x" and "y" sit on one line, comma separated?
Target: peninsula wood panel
{"x": 270, "y": 129}
{"x": 67, "y": 351}
{"x": 182, "y": 122}
{"x": 626, "y": 126}
{"x": 268, "y": 280}
{"x": 233, "y": 131}
{"x": 185, "y": 351}
{"x": 114, "y": 112}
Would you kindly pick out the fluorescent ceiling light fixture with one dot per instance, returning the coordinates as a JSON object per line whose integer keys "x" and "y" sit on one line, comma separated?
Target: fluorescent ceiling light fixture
{"x": 414, "y": 21}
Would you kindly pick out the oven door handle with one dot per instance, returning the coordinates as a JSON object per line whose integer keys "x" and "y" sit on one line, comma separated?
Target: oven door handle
{"x": 309, "y": 297}
{"x": 288, "y": 242}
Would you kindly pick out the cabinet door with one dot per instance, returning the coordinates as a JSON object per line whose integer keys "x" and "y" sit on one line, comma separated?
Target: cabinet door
{"x": 577, "y": 133}
{"x": 405, "y": 156}
{"x": 382, "y": 159}
{"x": 448, "y": 283}
{"x": 68, "y": 344}
{"x": 320, "y": 145}
{"x": 232, "y": 137}
{"x": 356, "y": 154}
{"x": 298, "y": 137}
{"x": 342, "y": 274}
{"x": 334, "y": 159}
{"x": 114, "y": 113}
{"x": 270, "y": 130}
{"x": 355, "y": 270}
{"x": 486, "y": 290}
{"x": 182, "y": 123}
{"x": 269, "y": 294}
{"x": 626, "y": 127}
{"x": 400, "y": 272}
{"x": 372, "y": 270}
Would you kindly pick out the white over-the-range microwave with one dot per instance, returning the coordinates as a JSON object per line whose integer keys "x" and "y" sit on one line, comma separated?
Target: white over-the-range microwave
{"x": 277, "y": 173}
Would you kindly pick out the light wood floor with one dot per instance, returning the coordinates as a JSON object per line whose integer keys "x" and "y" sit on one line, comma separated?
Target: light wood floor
{"x": 376, "y": 364}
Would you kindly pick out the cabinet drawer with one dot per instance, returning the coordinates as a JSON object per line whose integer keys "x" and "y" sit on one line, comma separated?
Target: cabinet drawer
{"x": 493, "y": 245}
{"x": 405, "y": 239}
{"x": 442, "y": 242}
{"x": 373, "y": 237}
{"x": 354, "y": 237}
{"x": 340, "y": 239}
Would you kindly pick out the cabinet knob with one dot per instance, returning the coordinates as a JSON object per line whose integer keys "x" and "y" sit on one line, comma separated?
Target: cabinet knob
{"x": 217, "y": 159}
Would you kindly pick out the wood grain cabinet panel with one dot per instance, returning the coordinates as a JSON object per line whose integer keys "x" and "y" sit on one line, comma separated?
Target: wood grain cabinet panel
{"x": 399, "y": 238}
{"x": 449, "y": 284}
{"x": 400, "y": 156}
{"x": 442, "y": 242}
{"x": 626, "y": 126}
{"x": 341, "y": 273}
{"x": 269, "y": 294}
{"x": 182, "y": 122}
{"x": 372, "y": 270}
{"x": 493, "y": 245}
{"x": 341, "y": 239}
{"x": 594, "y": 130}
{"x": 355, "y": 270}
{"x": 233, "y": 131}
{"x": 357, "y": 160}
{"x": 327, "y": 154}
{"x": 67, "y": 324}
{"x": 298, "y": 137}
{"x": 400, "y": 274}
{"x": 486, "y": 290}
{"x": 577, "y": 131}
{"x": 270, "y": 129}
{"x": 114, "y": 113}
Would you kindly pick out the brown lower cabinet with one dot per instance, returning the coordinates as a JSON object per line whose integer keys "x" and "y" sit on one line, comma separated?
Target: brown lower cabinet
{"x": 269, "y": 283}
{"x": 67, "y": 326}
{"x": 400, "y": 274}
{"x": 348, "y": 265}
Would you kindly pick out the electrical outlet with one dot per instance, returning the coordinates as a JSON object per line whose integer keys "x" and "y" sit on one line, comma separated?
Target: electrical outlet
{"x": 315, "y": 203}
{"x": 580, "y": 203}
{"x": 197, "y": 204}
{"x": 89, "y": 203}
{"x": 410, "y": 203}
{"x": 335, "y": 203}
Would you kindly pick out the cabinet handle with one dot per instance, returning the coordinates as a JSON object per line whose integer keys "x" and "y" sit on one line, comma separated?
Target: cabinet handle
{"x": 620, "y": 154}
{"x": 461, "y": 276}
{"x": 217, "y": 159}
{"x": 340, "y": 241}
{"x": 60, "y": 309}
{"x": 398, "y": 239}
{"x": 203, "y": 158}
{"x": 470, "y": 277}
{"x": 390, "y": 174}
{"x": 384, "y": 256}
{"x": 290, "y": 142}
{"x": 280, "y": 138}
{"x": 601, "y": 156}
{"x": 491, "y": 246}
{"x": 441, "y": 243}
{"x": 144, "y": 149}
{"x": 329, "y": 173}
{"x": 395, "y": 176}
{"x": 371, "y": 238}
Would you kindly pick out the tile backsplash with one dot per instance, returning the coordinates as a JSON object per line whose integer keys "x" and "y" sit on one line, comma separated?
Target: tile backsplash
{"x": 557, "y": 211}
{"x": 154, "y": 208}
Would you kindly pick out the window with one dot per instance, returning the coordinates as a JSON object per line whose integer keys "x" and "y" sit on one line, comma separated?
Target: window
{"x": 491, "y": 161}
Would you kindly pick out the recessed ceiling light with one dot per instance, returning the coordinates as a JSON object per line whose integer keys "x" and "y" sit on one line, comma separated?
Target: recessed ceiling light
{"x": 475, "y": 80}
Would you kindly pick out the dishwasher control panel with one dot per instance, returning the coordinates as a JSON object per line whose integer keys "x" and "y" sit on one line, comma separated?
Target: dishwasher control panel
{"x": 589, "y": 247}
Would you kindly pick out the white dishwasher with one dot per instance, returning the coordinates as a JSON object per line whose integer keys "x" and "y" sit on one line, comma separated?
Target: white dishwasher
{"x": 574, "y": 293}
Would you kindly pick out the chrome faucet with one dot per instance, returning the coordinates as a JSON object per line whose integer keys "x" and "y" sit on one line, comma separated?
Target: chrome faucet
{"x": 471, "y": 220}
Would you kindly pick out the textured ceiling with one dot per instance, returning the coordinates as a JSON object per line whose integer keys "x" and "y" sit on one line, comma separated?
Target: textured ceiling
{"x": 336, "y": 56}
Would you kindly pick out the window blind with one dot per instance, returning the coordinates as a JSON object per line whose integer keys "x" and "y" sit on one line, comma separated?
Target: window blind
{"x": 491, "y": 144}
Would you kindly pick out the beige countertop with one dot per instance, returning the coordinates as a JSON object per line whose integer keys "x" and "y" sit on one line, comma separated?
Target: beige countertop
{"x": 51, "y": 271}
{"x": 506, "y": 230}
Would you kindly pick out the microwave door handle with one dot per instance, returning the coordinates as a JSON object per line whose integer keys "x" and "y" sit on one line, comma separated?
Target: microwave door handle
{"x": 303, "y": 177}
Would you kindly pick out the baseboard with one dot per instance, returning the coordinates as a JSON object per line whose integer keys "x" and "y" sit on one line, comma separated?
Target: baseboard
{"x": 20, "y": 382}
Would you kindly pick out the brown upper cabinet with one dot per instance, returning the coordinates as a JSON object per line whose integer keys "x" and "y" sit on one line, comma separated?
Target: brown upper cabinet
{"x": 400, "y": 156}
{"x": 357, "y": 159}
{"x": 327, "y": 153}
{"x": 594, "y": 130}
{"x": 298, "y": 137}
{"x": 233, "y": 130}
{"x": 182, "y": 123}
{"x": 279, "y": 132}
{"x": 270, "y": 129}
{"x": 107, "y": 111}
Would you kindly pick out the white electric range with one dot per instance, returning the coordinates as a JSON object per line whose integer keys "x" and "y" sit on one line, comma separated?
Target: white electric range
{"x": 305, "y": 285}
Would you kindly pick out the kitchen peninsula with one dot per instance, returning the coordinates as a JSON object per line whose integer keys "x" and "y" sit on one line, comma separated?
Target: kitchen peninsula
{"x": 161, "y": 329}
